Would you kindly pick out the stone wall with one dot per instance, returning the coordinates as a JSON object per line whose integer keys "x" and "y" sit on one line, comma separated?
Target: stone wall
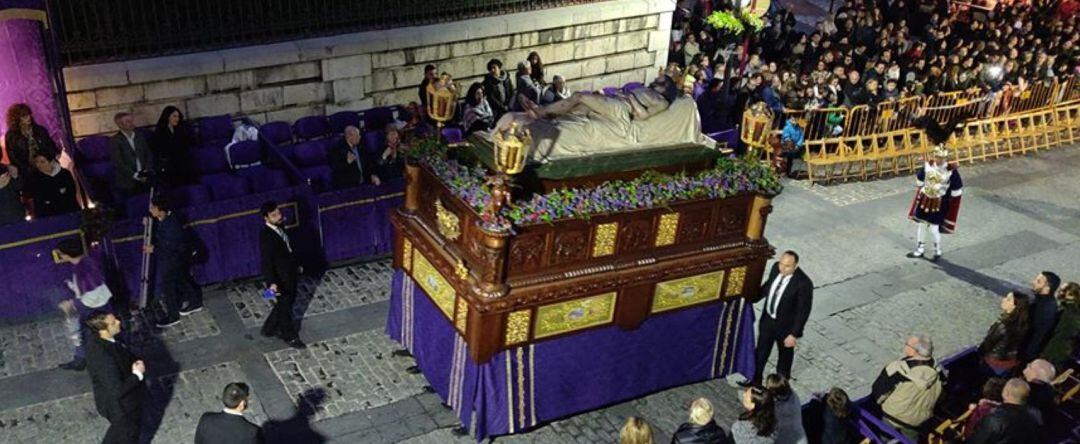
{"x": 592, "y": 46}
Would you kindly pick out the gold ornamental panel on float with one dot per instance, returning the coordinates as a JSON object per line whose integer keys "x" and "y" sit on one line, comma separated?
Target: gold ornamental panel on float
{"x": 434, "y": 284}
{"x": 735, "y": 281}
{"x": 577, "y": 314}
{"x": 686, "y": 291}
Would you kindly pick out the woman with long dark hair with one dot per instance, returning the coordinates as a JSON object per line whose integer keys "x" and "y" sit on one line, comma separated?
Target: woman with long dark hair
{"x": 537, "y": 66}
{"x": 172, "y": 144}
{"x": 789, "y": 428}
{"x": 478, "y": 114}
{"x": 25, "y": 138}
{"x": 757, "y": 425}
{"x": 1002, "y": 343}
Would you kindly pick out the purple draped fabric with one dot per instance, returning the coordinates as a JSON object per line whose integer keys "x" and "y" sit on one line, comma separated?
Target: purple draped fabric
{"x": 356, "y": 221}
{"x": 525, "y": 387}
{"x": 25, "y": 76}
{"x": 32, "y": 283}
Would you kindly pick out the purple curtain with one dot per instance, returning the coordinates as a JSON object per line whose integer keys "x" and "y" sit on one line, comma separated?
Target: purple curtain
{"x": 356, "y": 221}
{"x": 25, "y": 75}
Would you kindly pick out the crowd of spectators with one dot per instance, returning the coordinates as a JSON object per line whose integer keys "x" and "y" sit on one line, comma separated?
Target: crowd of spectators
{"x": 866, "y": 53}
{"x": 32, "y": 183}
{"x": 1015, "y": 367}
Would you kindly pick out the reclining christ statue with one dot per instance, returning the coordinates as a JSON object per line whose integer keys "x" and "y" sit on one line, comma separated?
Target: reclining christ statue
{"x": 587, "y": 124}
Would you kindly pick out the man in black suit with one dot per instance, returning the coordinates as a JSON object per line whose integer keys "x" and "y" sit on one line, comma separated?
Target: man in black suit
{"x": 788, "y": 295}
{"x": 129, "y": 152}
{"x": 117, "y": 378}
{"x": 280, "y": 273}
{"x": 350, "y": 163}
{"x": 171, "y": 247}
{"x": 229, "y": 426}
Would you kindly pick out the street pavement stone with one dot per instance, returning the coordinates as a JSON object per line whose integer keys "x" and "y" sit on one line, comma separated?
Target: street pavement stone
{"x": 338, "y": 289}
{"x": 174, "y": 401}
{"x": 357, "y": 371}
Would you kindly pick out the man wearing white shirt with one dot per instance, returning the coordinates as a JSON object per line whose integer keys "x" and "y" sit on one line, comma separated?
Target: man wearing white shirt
{"x": 280, "y": 273}
{"x": 117, "y": 379}
{"x": 229, "y": 425}
{"x": 129, "y": 152}
{"x": 788, "y": 295}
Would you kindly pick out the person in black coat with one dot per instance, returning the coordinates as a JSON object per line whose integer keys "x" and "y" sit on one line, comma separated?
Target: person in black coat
{"x": 701, "y": 428}
{"x": 837, "y": 425}
{"x": 171, "y": 246}
{"x": 229, "y": 425}
{"x": 25, "y": 138}
{"x": 117, "y": 379}
{"x": 172, "y": 144}
{"x": 1044, "y": 314}
{"x": 280, "y": 272}
{"x": 498, "y": 88}
{"x": 350, "y": 164}
{"x": 51, "y": 187}
{"x": 129, "y": 152}
{"x": 11, "y": 208}
{"x": 789, "y": 295}
{"x": 1012, "y": 422}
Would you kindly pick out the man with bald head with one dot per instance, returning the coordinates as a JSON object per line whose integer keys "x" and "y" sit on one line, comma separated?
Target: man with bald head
{"x": 1039, "y": 374}
{"x": 1012, "y": 422}
{"x": 350, "y": 164}
{"x": 788, "y": 294}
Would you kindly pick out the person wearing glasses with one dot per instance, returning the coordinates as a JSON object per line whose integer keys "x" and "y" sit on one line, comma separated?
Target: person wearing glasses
{"x": 907, "y": 389}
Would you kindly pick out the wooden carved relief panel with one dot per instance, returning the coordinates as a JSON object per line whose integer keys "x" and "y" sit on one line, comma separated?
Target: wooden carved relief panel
{"x": 694, "y": 226}
{"x": 731, "y": 220}
{"x": 635, "y": 235}
{"x": 526, "y": 252}
{"x": 569, "y": 246}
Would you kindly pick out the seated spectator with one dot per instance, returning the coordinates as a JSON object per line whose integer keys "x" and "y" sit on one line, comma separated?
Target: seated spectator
{"x": 701, "y": 428}
{"x": 478, "y": 113}
{"x": 11, "y": 209}
{"x": 129, "y": 152}
{"x": 1062, "y": 342}
{"x": 853, "y": 91}
{"x": 792, "y": 141}
{"x": 25, "y": 138}
{"x": 1039, "y": 375}
{"x": 635, "y": 431}
{"x": 536, "y": 68}
{"x": 392, "y": 160}
{"x": 51, "y": 187}
{"x": 350, "y": 164}
{"x": 172, "y": 144}
{"x": 555, "y": 92}
{"x": 1044, "y": 314}
{"x": 498, "y": 89}
{"x": 789, "y": 428}
{"x": 756, "y": 425}
{"x": 526, "y": 87}
{"x": 1001, "y": 346}
{"x": 990, "y": 400}
{"x": 838, "y": 419}
{"x": 1012, "y": 422}
{"x": 412, "y": 123}
{"x": 908, "y": 388}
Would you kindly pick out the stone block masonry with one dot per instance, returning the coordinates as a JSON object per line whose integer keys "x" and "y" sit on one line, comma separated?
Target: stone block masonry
{"x": 592, "y": 45}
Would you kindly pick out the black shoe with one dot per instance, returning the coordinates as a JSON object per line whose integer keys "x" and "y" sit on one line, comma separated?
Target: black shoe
{"x": 167, "y": 323}
{"x": 77, "y": 364}
{"x": 401, "y": 353}
{"x": 268, "y": 333}
{"x": 747, "y": 384}
{"x": 189, "y": 310}
{"x": 460, "y": 431}
{"x": 935, "y": 257}
{"x": 412, "y": 370}
{"x": 428, "y": 389}
{"x": 296, "y": 343}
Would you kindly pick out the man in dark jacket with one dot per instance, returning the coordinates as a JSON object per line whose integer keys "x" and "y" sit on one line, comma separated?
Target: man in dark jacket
{"x": 701, "y": 428}
{"x": 129, "y": 152}
{"x": 279, "y": 271}
{"x": 350, "y": 163}
{"x": 171, "y": 245}
{"x": 789, "y": 295}
{"x": 1012, "y": 422}
{"x": 430, "y": 72}
{"x": 229, "y": 425}
{"x": 1044, "y": 314}
{"x": 117, "y": 379}
{"x": 50, "y": 186}
{"x": 498, "y": 88}
{"x": 11, "y": 209}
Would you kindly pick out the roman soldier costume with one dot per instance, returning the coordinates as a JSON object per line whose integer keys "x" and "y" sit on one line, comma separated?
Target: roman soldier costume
{"x": 937, "y": 201}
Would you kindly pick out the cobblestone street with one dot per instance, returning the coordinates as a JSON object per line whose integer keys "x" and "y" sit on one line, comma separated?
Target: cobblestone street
{"x": 1019, "y": 217}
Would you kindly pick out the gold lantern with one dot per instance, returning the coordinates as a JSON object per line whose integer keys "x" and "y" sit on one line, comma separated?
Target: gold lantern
{"x": 442, "y": 100}
{"x": 511, "y": 147}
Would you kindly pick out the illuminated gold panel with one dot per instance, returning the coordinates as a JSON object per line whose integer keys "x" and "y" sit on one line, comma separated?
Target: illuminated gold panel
{"x": 434, "y": 284}
{"x": 604, "y": 242}
{"x": 687, "y": 291}
{"x": 735, "y": 281}
{"x": 406, "y": 254}
{"x": 665, "y": 233}
{"x": 573, "y": 315}
{"x": 461, "y": 318}
{"x": 517, "y": 327}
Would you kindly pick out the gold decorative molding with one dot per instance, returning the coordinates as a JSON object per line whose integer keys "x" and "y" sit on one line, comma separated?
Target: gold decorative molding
{"x": 460, "y": 269}
{"x": 517, "y": 327}
{"x": 461, "y": 317}
{"x": 666, "y": 230}
{"x": 406, "y": 254}
{"x": 735, "y": 281}
{"x": 449, "y": 225}
{"x": 574, "y": 315}
{"x": 686, "y": 291}
{"x": 604, "y": 240}
{"x": 434, "y": 284}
